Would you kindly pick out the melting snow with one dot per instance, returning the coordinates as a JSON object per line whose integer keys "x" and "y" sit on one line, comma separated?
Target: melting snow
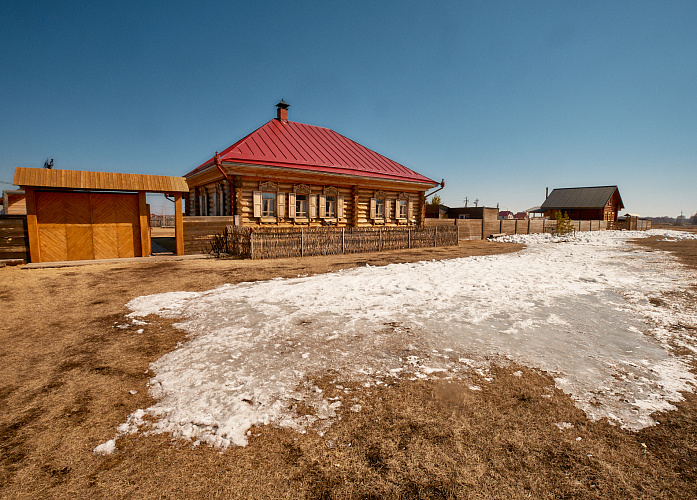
{"x": 576, "y": 307}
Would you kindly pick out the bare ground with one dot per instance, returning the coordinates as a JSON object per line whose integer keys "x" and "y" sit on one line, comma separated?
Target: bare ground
{"x": 66, "y": 373}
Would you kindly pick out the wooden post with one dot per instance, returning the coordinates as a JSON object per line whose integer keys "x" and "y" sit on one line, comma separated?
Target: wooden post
{"x": 251, "y": 244}
{"x": 380, "y": 242}
{"x": 32, "y": 225}
{"x": 178, "y": 224}
{"x": 483, "y": 237}
{"x": 343, "y": 241}
{"x": 145, "y": 224}
{"x": 409, "y": 238}
{"x": 302, "y": 242}
{"x": 435, "y": 236}
{"x": 528, "y": 226}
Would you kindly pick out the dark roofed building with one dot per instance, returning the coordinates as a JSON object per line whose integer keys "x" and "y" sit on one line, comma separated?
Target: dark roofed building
{"x": 585, "y": 203}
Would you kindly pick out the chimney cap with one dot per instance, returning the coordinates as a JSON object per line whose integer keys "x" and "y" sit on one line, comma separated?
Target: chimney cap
{"x": 283, "y": 104}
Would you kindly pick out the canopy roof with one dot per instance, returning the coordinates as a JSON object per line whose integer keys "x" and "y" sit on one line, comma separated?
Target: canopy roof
{"x": 581, "y": 197}
{"x": 282, "y": 143}
{"x": 109, "y": 181}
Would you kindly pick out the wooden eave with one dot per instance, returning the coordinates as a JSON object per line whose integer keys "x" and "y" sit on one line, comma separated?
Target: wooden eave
{"x": 305, "y": 176}
{"x": 103, "y": 181}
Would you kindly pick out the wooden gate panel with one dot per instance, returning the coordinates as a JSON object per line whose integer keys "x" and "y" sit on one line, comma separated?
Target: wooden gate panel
{"x": 85, "y": 226}
{"x": 78, "y": 227}
{"x": 104, "y": 233}
{"x": 128, "y": 225}
{"x": 50, "y": 219}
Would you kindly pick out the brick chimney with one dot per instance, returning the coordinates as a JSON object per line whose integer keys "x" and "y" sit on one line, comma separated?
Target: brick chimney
{"x": 282, "y": 111}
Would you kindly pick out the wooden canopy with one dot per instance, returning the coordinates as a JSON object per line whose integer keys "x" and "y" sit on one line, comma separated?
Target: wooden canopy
{"x": 106, "y": 181}
{"x": 78, "y": 215}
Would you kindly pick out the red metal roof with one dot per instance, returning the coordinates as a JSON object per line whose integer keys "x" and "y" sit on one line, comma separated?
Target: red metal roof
{"x": 318, "y": 149}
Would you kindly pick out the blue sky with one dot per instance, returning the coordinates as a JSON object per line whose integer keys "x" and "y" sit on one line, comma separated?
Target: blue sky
{"x": 499, "y": 98}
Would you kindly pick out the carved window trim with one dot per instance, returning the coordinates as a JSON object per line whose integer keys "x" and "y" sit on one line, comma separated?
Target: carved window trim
{"x": 331, "y": 191}
{"x": 302, "y": 189}
{"x": 268, "y": 186}
{"x": 379, "y": 194}
{"x": 404, "y": 196}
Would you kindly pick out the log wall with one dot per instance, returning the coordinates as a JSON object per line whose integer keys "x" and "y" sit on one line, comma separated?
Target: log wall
{"x": 14, "y": 238}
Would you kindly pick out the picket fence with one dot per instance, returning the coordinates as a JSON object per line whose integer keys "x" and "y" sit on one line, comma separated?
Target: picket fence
{"x": 266, "y": 243}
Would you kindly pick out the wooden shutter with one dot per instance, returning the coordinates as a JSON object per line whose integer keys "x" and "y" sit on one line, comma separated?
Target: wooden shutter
{"x": 313, "y": 206}
{"x": 322, "y": 206}
{"x": 387, "y": 208}
{"x": 410, "y": 210}
{"x": 291, "y": 205}
{"x": 281, "y": 200}
{"x": 257, "y": 203}
{"x": 340, "y": 207}
{"x": 372, "y": 208}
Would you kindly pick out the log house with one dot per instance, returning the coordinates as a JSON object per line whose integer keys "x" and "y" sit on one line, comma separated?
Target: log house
{"x": 291, "y": 174}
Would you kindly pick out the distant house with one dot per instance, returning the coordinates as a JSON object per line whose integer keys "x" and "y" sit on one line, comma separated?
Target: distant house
{"x": 287, "y": 174}
{"x": 585, "y": 203}
{"x": 506, "y": 214}
{"x": 521, "y": 215}
{"x": 13, "y": 202}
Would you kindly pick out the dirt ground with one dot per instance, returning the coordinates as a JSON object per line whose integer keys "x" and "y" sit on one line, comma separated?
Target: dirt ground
{"x": 66, "y": 376}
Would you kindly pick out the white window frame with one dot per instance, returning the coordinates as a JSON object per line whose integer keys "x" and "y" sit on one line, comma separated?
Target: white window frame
{"x": 402, "y": 209}
{"x": 268, "y": 204}
{"x": 203, "y": 202}
{"x": 301, "y": 205}
{"x": 330, "y": 210}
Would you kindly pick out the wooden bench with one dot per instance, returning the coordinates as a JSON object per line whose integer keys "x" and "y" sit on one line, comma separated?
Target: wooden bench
{"x": 495, "y": 235}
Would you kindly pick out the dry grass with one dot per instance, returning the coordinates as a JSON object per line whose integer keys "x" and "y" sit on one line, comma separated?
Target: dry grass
{"x": 66, "y": 373}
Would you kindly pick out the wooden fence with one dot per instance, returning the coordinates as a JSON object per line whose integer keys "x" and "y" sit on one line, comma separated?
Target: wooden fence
{"x": 478, "y": 229}
{"x": 200, "y": 232}
{"x": 14, "y": 238}
{"x": 265, "y": 243}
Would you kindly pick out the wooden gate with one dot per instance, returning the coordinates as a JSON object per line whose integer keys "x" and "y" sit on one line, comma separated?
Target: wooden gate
{"x": 85, "y": 226}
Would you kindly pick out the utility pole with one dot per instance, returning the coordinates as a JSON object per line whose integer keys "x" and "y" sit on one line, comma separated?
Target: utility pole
{"x": 466, "y": 199}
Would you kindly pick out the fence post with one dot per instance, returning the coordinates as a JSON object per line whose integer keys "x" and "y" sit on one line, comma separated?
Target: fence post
{"x": 409, "y": 238}
{"x": 457, "y": 232}
{"x": 251, "y": 244}
{"x": 435, "y": 237}
{"x": 302, "y": 242}
{"x": 343, "y": 242}
{"x": 380, "y": 242}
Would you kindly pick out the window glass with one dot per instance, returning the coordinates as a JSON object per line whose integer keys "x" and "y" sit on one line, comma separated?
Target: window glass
{"x": 331, "y": 206}
{"x": 402, "y": 209}
{"x": 379, "y": 208}
{"x": 301, "y": 205}
{"x": 268, "y": 204}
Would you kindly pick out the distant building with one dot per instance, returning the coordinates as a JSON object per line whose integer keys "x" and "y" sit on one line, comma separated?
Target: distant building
{"x": 585, "y": 203}
{"x": 506, "y": 214}
{"x": 13, "y": 202}
{"x": 436, "y": 211}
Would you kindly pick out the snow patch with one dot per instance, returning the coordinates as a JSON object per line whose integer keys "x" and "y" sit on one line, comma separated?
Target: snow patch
{"x": 576, "y": 307}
